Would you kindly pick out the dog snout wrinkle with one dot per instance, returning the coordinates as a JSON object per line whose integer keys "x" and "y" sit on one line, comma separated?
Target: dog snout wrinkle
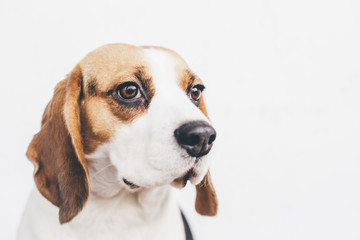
{"x": 196, "y": 137}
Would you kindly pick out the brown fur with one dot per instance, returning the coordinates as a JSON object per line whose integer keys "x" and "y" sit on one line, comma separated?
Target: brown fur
{"x": 82, "y": 115}
{"x": 206, "y": 201}
{"x": 188, "y": 79}
{"x": 61, "y": 174}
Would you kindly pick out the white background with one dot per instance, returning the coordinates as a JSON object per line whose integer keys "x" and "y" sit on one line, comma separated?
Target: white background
{"x": 283, "y": 84}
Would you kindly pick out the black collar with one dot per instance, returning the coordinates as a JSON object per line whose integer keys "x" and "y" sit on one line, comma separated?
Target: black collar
{"x": 187, "y": 229}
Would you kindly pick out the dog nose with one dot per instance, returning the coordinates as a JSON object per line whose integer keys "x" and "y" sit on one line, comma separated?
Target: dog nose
{"x": 196, "y": 137}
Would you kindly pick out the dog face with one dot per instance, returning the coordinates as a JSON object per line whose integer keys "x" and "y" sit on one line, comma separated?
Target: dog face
{"x": 138, "y": 110}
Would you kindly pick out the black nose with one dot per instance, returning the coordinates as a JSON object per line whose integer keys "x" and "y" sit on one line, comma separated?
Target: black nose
{"x": 196, "y": 137}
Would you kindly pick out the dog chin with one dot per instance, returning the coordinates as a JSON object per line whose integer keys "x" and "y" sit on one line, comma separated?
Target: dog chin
{"x": 193, "y": 175}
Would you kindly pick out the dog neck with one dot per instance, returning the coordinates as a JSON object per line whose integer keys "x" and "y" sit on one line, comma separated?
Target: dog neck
{"x": 103, "y": 178}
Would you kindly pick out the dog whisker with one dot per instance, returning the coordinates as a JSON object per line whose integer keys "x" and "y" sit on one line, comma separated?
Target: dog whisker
{"x": 101, "y": 170}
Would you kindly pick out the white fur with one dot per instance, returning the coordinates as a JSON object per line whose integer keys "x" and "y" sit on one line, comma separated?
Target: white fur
{"x": 145, "y": 153}
{"x": 151, "y": 214}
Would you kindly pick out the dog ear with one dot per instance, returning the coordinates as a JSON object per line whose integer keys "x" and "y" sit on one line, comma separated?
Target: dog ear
{"x": 61, "y": 174}
{"x": 206, "y": 202}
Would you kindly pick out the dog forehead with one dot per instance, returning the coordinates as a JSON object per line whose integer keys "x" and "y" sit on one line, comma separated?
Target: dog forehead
{"x": 165, "y": 67}
{"x": 106, "y": 63}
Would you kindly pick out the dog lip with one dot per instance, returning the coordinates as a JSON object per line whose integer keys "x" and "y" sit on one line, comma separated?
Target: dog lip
{"x": 187, "y": 175}
{"x": 181, "y": 182}
{"x": 130, "y": 184}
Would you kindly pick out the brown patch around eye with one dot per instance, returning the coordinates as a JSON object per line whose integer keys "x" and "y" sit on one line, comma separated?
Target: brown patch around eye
{"x": 146, "y": 82}
{"x": 92, "y": 87}
{"x": 126, "y": 112}
{"x": 187, "y": 80}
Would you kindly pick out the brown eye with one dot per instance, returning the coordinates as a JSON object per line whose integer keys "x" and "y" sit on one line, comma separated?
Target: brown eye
{"x": 195, "y": 93}
{"x": 128, "y": 91}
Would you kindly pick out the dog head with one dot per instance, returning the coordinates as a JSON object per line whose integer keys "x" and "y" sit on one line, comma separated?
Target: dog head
{"x": 138, "y": 111}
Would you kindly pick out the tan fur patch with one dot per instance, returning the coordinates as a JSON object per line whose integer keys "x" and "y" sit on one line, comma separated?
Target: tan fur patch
{"x": 97, "y": 123}
{"x": 104, "y": 69}
{"x": 107, "y": 62}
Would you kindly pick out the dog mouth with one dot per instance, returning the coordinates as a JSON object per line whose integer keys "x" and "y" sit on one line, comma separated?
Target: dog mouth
{"x": 179, "y": 182}
{"x": 182, "y": 181}
{"x": 130, "y": 184}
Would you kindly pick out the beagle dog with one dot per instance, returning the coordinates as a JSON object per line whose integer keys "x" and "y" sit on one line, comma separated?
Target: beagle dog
{"x": 123, "y": 127}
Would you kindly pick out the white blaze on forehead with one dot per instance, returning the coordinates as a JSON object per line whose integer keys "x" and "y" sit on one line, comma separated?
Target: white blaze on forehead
{"x": 162, "y": 66}
{"x": 169, "y": 97}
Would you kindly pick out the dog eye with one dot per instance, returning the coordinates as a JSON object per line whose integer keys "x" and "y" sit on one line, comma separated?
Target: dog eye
{"x": 128, "y": 90}
{"x": 195, "y": 92}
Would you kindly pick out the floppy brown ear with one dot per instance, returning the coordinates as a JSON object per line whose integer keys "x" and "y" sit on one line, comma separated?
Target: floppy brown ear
{"x": 61, "y": 173}
{"x": 206, "y": 202}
